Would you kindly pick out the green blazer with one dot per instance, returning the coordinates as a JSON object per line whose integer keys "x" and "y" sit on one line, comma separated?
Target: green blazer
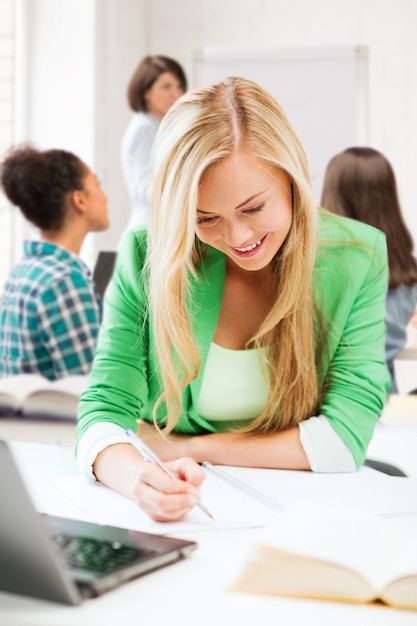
{"x": 350, "y": 282}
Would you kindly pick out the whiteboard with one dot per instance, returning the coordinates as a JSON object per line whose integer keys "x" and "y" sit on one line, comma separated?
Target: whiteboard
{"x": 324, "y": 91}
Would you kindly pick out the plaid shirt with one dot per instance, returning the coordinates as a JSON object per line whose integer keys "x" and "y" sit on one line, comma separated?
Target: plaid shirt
{"x": 50, "y": 314}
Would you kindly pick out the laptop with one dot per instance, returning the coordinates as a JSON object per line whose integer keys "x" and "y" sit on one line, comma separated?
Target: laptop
{"x": 68, "y": 560}
{"x": 103, "y": 270}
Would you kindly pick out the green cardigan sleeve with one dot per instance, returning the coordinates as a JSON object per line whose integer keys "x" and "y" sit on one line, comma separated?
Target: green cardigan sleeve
{"x": 118, "y": 386}
{"x": 351, "y": 280}
{"x": 124, "y": 384}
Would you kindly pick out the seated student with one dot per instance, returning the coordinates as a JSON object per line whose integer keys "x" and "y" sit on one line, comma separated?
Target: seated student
{"x": 360, "y": 183}
{"x": 50, "y": 311}
{"x": 248, "y": 325}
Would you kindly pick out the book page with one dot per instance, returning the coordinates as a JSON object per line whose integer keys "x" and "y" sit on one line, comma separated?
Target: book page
{"x": 14, "y": 389}
{"x": 401, "y": 590}
{"x": 365, "y": 491}
{"x": 374, "y": 547}
{"x": 59, "y": 399}
{"x": 402, "y": 593}
{"x": 230, "y": 507}
{"x": 73, "y": 385}
{"x": 274, "y": 571}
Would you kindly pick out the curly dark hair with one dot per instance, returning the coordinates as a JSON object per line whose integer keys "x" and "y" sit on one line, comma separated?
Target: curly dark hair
{"x": 38, "y": 182}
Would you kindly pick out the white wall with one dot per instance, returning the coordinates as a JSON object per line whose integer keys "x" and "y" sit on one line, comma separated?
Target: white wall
{"x": 6, "y": 128}
{"x": 92, "y": 46}
{"x": 60, "y": 63}
{"x": 121, "y": 41}
{"x": 54, "y": 83}
{"x": 387, "y": 27}
{"x": 75, "y": 58}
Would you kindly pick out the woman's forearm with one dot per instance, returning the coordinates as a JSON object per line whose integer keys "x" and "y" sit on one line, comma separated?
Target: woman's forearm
{"x": 281, "y": 450}
{"x": 163, "y": 496}
{"x": 118, "y": 466}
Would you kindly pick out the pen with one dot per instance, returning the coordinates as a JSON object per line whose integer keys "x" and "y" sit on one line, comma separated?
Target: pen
{"x": 149, "y": 455}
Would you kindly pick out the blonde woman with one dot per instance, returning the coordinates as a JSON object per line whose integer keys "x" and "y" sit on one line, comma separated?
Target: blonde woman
{"x": 247, "y": 327}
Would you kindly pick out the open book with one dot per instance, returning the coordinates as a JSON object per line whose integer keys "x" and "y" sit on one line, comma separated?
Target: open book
{"x": 321, "y": 552}
{"x": 32, "y": 395}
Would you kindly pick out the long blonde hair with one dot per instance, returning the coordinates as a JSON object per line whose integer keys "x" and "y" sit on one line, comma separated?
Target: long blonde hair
{"x": 202, "y": 128}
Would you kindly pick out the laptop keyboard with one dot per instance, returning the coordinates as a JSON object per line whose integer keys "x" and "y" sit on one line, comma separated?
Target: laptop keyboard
{"x": 96, "y": 555}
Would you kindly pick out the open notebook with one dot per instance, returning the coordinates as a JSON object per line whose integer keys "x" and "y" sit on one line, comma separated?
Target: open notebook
{"x": 67, "y": 560}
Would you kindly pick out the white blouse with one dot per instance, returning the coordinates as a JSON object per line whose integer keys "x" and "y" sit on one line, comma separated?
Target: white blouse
{"x": 137, "y": 163}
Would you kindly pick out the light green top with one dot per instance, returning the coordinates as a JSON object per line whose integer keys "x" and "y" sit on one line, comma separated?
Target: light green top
{"x": 241, "y": 390}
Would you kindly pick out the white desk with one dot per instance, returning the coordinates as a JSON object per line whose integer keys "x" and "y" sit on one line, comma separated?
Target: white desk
{"x": 405, "y": 366}
{"x": 44, "y": 431}
{"x": 395, "y": 436}
{"x": 188, "y": 593}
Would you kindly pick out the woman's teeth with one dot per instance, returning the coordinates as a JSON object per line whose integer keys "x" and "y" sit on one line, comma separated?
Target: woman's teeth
{"x": 248, "y": 248}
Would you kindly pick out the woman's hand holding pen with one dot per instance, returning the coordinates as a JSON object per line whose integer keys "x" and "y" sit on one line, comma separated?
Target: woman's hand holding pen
{"x": 164, "y": 498}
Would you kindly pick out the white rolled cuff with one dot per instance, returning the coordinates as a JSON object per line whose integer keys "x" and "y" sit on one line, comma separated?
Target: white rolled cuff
{"x": 97, "y": 437}
{"x": 324, "y": 448}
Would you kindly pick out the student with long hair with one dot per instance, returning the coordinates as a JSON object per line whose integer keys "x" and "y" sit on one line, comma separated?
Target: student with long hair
{"x": 50, "y": 311}
{"x": 157, "y": 82}
{"x": 360, "y": 183}
{"x": 247, "y": 326}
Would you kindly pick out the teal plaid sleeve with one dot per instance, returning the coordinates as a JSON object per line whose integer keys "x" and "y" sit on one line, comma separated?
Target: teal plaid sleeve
{"x": 69, "y": 315}
{"x": 50, "y": 314}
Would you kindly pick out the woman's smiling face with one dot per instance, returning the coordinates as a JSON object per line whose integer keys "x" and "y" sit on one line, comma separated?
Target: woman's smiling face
{"x": 244, "y": 210}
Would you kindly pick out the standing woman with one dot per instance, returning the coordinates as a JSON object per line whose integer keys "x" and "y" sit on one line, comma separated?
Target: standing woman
{"x": 156, "y": 84}
{"x": 360, "y": 183}
{"x": 50, "y": 310}
{"x": 248, "y": 325}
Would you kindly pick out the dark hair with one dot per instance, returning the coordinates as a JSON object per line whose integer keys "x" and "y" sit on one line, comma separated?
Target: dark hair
{"x": 39, "y": 183}
{"x": 360, "y": 183}
{"x": 146, "y": 73}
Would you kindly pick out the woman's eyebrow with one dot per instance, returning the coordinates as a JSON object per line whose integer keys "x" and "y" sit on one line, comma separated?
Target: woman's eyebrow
{"x": 255, "y": 195}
